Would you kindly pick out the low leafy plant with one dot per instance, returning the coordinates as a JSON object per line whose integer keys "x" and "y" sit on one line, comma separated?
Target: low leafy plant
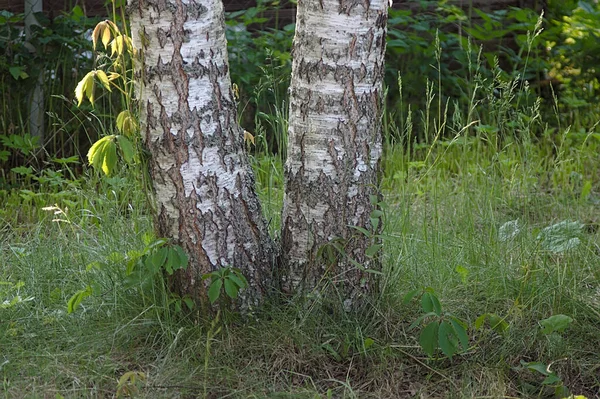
{"x": 130, "y": 383}
{"x": 551, "y": 380}
{"x": 442, "y": 330}
{"x": 142, "y": 268}
{"x": 227, "y": 279}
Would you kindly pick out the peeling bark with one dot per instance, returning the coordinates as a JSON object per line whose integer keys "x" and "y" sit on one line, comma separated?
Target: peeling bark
{"x": 334, "y": 143}
{"x": 204, "y": 186}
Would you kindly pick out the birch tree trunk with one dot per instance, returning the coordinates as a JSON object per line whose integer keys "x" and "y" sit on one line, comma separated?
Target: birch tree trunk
{"x": 334, "y": 142}
{"x": 204, "y": 186}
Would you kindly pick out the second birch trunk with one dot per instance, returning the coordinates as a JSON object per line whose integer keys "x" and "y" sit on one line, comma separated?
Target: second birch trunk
{"x": 334, "y": 144}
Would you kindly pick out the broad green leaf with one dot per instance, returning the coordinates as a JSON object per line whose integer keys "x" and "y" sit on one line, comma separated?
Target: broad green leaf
{"x": 551, "y": 379}
{"x": 556, "y": 323}
{"x": 461, "y": 333}
{"x": 537, "y": 366}
{"x": 561, "y": 237}
{"x": 126, "y": 148}
{"x": 409, "y": 296}
{"x": 18, "y": 72}
{"x": 480, "y": 321}
{"x": 231, "y": 289}
{"x": 240, "y": 275}
{"x": 426, "y": 302}
{"x": 373, "y": 250}
{"x": 236, "y": 280}
{"x": 374, "y": 223}
{"x": 172, "y": 261}
{"x": 428, "y": 338}
{"x": 183, "y": 257}
{"x": 447, "y": 339}
{"x": 437, "y": 306}
{"x": 376, "y": 214}
{"x": 431, "y": 303}
{"x": 189, "y": 303}
{"x": 420, "y": 319}
{"x": 156, "y": 260}
{"x": 368, "y": 342}
{"x": 497, "y": 323}
{"x": 214, "y": 291}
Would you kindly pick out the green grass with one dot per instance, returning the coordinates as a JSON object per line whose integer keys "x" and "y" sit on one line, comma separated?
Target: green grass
{"x": 445, "y": 207}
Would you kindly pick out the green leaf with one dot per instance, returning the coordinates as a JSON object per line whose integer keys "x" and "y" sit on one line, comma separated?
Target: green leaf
{"x": 437, "y": 306}
{"x": 551, "y": 379}
{"x": 409, "y": 296}
{"x": 236, "y": 280}
{"x": 537, "y": 366}
{"x": 231, "y": 288}
{"x": 374, "y": 223}
{"x": 189, "y": 303}
{"x": 426, "y": 302}
{"x": 17, "y": 72}
{"x": 373, "y": 250}
{"x": 214, "y": 291}
{"x": 155, "y": 261}
{"x": 366, "y": 232}
{"x": 376, "y": 214}
{"x": 429, "y": 337}
{"x": 556, "y": 323}
{"x": 77, "y": 298}
{"x": 497, "y": 323}
{"x": 172, "y": 261}
{"x": 430, "y": 303}
{"x": 183, "y": 257}
{"x": 480, "y": 321}
{"x": 126, "y": 148}
{"x": 419, "y": 320}
{"x": 368, "y": 342}
{"x": 447, "y": 339}
{"x": 241, "y": 276}
{"x": 461, "y": 333}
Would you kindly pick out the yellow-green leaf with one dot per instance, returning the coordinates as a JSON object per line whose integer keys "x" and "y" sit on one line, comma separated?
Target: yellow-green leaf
{"x": 119, "y": 44}
{"x": 106, "y": 35}
{"x": 89, "y": 87}
{"x": 83, "y": 87}
{"x": 127, "y": 123}
{"x": 103, "y": 79}
{"x": 96, "y": 152}
{"x": 110, "y": 158}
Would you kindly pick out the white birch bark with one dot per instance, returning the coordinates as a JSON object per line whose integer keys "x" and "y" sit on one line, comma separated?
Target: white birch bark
{"x": 203, "y": 183}
{"x": 334, "y": 142}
